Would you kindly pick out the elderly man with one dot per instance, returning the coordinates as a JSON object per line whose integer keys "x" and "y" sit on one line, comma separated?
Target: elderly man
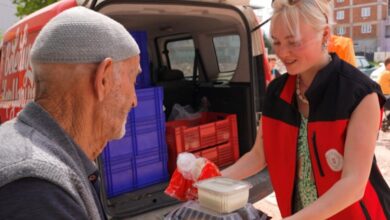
{"x": 85, "y": 66}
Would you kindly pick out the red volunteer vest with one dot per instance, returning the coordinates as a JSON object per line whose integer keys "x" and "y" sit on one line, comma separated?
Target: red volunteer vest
{"x": 334, "y": 94}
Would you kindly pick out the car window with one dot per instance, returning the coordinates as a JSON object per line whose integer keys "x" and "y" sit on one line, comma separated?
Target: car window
{"x": 181, "y": 55}
{"x": 362, "y": 62}
{"x": 358, "y": 62}
{"x": 365, "y": 63}
{"x": 227, "y": 49}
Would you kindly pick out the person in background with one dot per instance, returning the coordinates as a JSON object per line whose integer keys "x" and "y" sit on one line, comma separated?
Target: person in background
{"x": 85, "y": 66}
{"x": 274, "y": 72}
{"x": 384, "y": 82}
{"x": 384, "y": 79}
{"x": 343, "y": 47}
{"x": 319, "y": 125}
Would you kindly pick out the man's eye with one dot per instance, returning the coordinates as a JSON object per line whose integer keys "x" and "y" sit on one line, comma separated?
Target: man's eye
{"x": 276, "y": 43}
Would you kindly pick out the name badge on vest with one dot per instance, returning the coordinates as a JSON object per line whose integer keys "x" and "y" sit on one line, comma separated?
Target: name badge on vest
{"x": 334, "y": 160}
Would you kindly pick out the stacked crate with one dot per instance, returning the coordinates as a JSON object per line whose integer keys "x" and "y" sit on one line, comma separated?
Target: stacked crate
{"x": 213, "y": 136}
{"x": 139, "y": 159}
{"x": 143, "y": 79}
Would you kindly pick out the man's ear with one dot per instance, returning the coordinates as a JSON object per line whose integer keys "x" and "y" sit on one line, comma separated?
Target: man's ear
{"x": 103, "y": 78}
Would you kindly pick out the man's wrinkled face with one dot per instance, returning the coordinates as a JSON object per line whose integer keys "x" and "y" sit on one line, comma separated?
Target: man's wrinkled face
{"x": 123, "y": 97}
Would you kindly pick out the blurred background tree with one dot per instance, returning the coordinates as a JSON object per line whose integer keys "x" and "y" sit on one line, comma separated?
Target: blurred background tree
{"x": 26, "y": 7}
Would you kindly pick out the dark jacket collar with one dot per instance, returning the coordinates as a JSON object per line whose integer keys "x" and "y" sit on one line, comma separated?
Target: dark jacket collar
{"x": 322, "y": 79}
{"x": 66, "y": 150}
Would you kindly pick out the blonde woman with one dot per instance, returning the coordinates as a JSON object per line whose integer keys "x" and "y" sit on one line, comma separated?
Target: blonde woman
{"x": 319, "y": 126}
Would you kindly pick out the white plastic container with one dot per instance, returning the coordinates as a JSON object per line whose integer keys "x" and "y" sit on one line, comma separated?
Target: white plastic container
{"x": 222, "y": 194}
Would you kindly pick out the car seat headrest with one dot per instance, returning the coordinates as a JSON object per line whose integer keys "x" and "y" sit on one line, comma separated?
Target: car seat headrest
{"x": 166, "y": 74}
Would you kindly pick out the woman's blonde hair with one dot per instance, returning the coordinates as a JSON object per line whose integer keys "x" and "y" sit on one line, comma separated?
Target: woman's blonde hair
{"x": 317, "y": 13}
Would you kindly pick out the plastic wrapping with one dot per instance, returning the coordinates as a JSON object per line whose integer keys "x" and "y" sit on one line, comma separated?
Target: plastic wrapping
{"x": 190, "y": 166}
{"x": 185, "y": 165}
{"x": 192, "y": 210}
{"x": 190, "y": 170}
{"x": 180, "y": 112}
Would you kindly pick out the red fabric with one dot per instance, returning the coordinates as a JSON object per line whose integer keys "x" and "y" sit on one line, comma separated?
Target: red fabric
{"x": 371, "y": 201}
{"x": 281, "y": 166}
{"x": 287, "y": 95}
{"x": 280, "y": 155}
{"x": 322, "y": 131}
{"x": 267, "y": 69}
{"x": 184, "y": 189}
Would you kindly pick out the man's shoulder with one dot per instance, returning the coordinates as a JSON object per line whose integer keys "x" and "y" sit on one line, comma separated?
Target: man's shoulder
{"x": 14, "y": 144}
{"x": 21, "y": 157}
{"x": 25, "y": 153}
{"x": 18, "y": 142}
{"x": 37, "y": 199}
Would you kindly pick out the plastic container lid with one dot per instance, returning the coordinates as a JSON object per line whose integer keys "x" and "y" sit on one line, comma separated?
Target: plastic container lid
{"x": 222, "y": 194}
{"x": 223, "y": 185}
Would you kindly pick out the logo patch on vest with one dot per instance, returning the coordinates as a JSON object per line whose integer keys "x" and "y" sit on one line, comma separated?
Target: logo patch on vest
{"x": 334, "y": 160}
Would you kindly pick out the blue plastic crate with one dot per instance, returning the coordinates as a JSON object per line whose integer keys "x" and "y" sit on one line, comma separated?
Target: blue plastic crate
{"x": 143, "y": 79}
{"x": 152, "y": 169}
{"x": 146, "y": 136}
{"x": 145, "y": 127}
{"x": 127, "y": 173}
{"x": 150, "y": 105}
{"x": 140, "y": 138}
{"x": 139, "y": 159}
{"x": 120, "y": 147}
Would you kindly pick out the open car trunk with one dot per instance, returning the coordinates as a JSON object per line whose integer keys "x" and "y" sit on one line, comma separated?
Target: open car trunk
{"x": 202, "y": 54}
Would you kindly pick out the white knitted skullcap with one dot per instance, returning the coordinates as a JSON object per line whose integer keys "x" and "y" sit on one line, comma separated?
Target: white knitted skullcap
{"x": 80, "y": 35}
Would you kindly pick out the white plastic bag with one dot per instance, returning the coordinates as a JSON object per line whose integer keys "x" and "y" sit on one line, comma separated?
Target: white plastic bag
{"x": 183, "y": 112}
{"x": 180, "y": 112}
{"x": 190, "y": 166}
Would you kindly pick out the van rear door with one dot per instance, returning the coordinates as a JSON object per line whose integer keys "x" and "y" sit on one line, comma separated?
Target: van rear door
{"x": 197, "y": 50}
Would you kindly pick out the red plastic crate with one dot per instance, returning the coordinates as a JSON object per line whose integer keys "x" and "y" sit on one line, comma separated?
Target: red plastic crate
{"x": 208, "y": 130}
{"x": 213, "y": 136}
{"x": 222, "y": 155}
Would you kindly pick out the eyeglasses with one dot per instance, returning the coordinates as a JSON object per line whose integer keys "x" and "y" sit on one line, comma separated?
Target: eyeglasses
{"x": 293, "y": 2}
